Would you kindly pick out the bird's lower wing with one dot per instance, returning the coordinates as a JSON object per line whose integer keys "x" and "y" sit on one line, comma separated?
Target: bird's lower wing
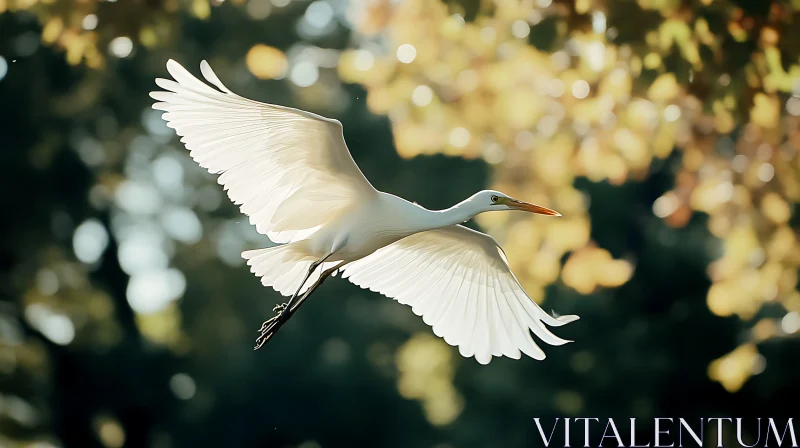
{"x": 289, "y": 170}
{"x": 459, "y": 281}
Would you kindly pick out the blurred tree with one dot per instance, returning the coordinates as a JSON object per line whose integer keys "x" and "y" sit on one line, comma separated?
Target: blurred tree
{"x": 550, "y": 92}
{"x": 127, "y": 315}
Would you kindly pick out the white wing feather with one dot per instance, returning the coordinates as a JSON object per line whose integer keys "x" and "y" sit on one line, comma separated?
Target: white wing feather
{"x": 459, "y": 281}
{"x": 274, "y": 161}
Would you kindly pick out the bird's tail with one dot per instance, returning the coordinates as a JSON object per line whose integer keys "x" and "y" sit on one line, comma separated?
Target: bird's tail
{"x": 283, "y": 267}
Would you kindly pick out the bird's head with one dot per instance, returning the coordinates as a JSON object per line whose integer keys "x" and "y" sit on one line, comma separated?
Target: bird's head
{"x": 491, "y": 200}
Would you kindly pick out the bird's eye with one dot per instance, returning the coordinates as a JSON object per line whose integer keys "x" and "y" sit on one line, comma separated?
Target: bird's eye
{"x": 494, "y": 198}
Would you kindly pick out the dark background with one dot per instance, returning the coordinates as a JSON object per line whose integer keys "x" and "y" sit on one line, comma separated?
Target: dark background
{"x": 355, "y": 368}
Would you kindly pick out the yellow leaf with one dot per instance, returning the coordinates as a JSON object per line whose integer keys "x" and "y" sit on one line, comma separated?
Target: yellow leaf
{"x": 266, "y": 62}
{"x": 664, "y": 88}
{"x": 148, "y": 37}
{"x": 583, "y": 6}
{"x": 614, "y": 273}
{"x": 652, "y": 61}
{"x": 775, "y": 208}
{"x": 52, "y": 30}
{"x": 734, "y": 369}
{"x": 719, "y": 300}
{"x": 544, "y": 267}
{"x": 766, "y": 111}
{"x": 201, "y": 9}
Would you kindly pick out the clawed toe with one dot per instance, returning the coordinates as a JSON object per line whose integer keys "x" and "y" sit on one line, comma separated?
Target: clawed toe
{"x": 284, "y": 311}
{"x": 267, "y": 330}
{"x": 270, "y": 325}
{"x": 266, "y": 323}
{"x": 280, "y": 308}
{"x": 260, "y": 342}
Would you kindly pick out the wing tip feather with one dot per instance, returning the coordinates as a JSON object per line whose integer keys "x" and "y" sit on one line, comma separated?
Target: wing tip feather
{"x": 568, "y": 319}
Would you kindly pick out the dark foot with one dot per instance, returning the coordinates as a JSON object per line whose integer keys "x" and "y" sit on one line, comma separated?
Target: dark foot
{"x": 268, "y": 328}
{"x": 271, "y": 325}
{"x": 286, "y": 310}
{"x": 261, "y": 340}
{"x": 267, "y": 322}
{"x": 279, "y": 309}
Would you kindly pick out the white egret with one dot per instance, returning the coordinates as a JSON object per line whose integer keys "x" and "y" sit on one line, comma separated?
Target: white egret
{"x": 290, "y": 171}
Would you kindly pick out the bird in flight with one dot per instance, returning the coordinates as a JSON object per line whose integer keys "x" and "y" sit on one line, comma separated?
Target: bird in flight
{"x": 290, "y": 171}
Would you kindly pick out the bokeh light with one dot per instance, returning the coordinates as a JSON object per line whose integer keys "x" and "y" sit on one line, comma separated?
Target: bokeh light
{"x": 666, "y": 134}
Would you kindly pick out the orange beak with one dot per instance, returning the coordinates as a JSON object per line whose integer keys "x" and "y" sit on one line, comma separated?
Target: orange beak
{"x": 532, "y": 208}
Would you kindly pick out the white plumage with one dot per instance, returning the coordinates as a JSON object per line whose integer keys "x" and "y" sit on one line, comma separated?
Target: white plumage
{"x": 458, "y": 280}
{"x": 290, "y": 171}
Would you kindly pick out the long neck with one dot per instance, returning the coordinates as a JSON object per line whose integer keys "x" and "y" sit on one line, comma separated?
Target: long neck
{"x": 436, "y": 219}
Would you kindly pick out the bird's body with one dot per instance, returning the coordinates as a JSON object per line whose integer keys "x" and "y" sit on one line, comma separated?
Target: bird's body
{"x": 376, "y": 223}
{"x": 367, "y": 227}
{"x": 292, "y": 174}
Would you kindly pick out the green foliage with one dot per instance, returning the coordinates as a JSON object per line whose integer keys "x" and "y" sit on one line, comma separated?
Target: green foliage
{"x": 127, "y": 317}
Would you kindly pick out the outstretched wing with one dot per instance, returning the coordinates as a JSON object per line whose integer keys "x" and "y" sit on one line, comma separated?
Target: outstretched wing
{"x": 459, "y": 281}
{"x": 289, "y": 170}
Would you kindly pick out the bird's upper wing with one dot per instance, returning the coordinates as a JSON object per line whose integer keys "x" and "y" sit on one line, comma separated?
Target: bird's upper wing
{"x": 289, "y": 170}
{"x": 459, "y": 281}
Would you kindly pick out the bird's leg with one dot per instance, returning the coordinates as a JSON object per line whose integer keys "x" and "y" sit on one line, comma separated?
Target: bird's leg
{"x": 278, "y": 310}
{"x": 270, "y": 327}
{"x": 281, "y": 308}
